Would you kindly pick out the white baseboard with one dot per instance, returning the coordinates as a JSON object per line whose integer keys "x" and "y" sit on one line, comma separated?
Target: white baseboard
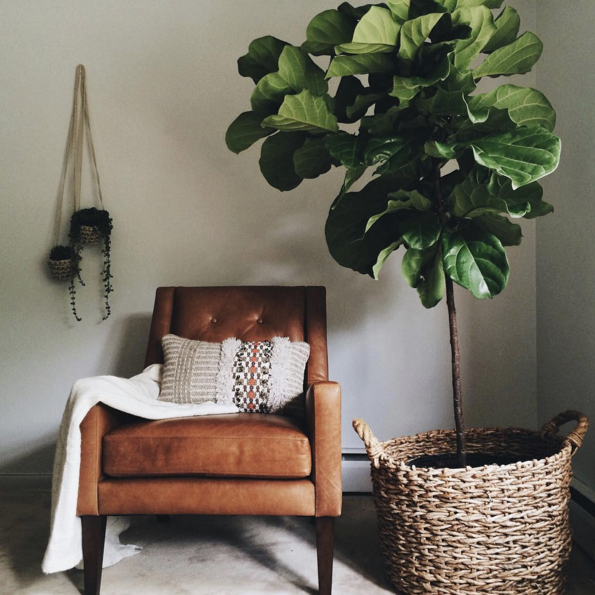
{"x": 356, "y": 471}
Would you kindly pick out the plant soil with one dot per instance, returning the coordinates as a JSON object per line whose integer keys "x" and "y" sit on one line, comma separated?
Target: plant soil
{"x": 452, "y": 460}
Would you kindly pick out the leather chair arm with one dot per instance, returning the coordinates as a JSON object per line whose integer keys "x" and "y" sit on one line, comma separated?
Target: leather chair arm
{"x": 97, "y": 423}
{"x": 323, "y": 406}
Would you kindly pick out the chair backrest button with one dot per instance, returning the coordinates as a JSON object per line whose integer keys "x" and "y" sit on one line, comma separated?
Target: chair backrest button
{"x": 213, "y": 320}
{"x": 259, "y": 321}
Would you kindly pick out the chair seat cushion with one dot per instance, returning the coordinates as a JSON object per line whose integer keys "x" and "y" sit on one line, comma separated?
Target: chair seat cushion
{"x": 237, "y": 445}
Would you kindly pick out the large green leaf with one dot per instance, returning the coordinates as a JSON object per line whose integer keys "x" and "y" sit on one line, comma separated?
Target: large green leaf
{"x": 524, "y": 155}
{"x": 269, "y": 94}
{"x": 276, "y": 160}
{"x": 452, "y": 5}
{"x": 381, "y": 124}
{"x": 414, "y": 263}
{"x": 376, "y": 32}
{"x": 459, "y": 81}
{"x": 304, "y": 112}
{"x": 400, "y": 9}
{"x": 444, "y": 103}
{"x": 509, "y": 234}
{"x": 312, "y": 159}
{"x": 414, "y": 33}
{"x": 382, "y": 148}
{"x": 481, "y": 22}
{"x": 421, "y": 230}
{"x": 526, "y": 106}
{"x": 362, "y": 103}
{"x": 383, "y": 257}
{"x": 347, "y": 92}
{"x": 433, "y": 283}
{"x": 516, "y": 58}
{"x": 345, "y": 229}
{"x": 326, "y": 30}
{"x": 477, "y": 261}
{"x": 406, "y": 88}
{"x": 470, "y": 199}
{"x": 362, "y": 64}
{"x": 402, "y": 200}
{"x": 507, "y": 24}
{"x": 244, "y": 131}
{"x": 355, "y": 12}
{"x": 297, "y": 69}
{"x": 262, "y": 57}
{"x": 346, "y": 148}
{"x": 531, "y": 194}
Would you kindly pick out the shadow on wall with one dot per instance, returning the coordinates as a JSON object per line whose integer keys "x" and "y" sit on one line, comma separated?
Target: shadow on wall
{"x": 39, "y": 456}
{"x": 124, "y": 353}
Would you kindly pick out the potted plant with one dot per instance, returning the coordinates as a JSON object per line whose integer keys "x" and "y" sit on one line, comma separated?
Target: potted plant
{"x": 469, "y": 511}
{"x": 63, "y": 263}
{"x": 89, "y": 226}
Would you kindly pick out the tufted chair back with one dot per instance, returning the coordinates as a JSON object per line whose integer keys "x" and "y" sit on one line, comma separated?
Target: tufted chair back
{"x": 248, "y": 313}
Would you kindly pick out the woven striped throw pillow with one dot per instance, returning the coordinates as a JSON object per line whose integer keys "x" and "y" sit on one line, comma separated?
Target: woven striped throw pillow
{"x": 256, "y": 376}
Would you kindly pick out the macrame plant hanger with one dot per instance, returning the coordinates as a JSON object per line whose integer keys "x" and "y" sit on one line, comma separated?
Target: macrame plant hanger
{"x": 87, "y": 226}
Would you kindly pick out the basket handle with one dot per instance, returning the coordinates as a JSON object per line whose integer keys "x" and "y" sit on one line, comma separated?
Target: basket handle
{"x": 373, "y": 447}
{"x": 576, "y": 436}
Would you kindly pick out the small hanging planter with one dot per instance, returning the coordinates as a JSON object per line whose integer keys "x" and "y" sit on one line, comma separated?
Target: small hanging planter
{"x": 63, "y": 262}
{"x": 87, "y": 226}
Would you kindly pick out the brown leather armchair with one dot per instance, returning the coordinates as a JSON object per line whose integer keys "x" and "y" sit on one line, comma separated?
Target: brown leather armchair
{"x": 239, "y": 464}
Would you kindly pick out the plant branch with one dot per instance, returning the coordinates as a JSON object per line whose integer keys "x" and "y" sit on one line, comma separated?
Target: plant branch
{"x": 454, "y": 334}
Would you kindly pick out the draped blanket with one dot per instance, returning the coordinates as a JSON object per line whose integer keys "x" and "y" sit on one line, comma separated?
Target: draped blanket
{"x": 136, "y": 396}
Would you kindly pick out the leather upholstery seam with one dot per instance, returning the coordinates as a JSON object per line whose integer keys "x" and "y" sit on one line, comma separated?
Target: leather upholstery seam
{"x": 203, "y": 439}
{"x": 209, "y": 475}
{"x": 98, "y": 461}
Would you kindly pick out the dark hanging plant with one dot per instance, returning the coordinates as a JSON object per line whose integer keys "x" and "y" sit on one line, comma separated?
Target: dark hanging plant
{"x": 63, "y": 263}
{"x": 88, "y": 226}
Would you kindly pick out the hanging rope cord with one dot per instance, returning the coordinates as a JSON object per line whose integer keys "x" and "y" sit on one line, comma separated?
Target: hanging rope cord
{"x": 85, "y": 109}
{"x": 69, "y": 142}
{"x": 79, "y": 119}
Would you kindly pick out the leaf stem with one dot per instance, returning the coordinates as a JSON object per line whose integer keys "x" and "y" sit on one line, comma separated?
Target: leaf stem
{"x": 454, "y": 334}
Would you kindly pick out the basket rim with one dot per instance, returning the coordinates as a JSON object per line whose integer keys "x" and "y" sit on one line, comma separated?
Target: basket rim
{"x": 386, "y": 460}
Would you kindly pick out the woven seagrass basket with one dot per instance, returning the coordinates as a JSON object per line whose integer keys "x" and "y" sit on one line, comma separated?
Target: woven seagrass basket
{"x": 89, "y": 235}
{"x": 62, "y": 270}
{"x": 497, "y": 529}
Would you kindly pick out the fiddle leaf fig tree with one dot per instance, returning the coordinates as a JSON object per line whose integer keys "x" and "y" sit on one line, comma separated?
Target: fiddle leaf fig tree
{"x": 451, "y": 167}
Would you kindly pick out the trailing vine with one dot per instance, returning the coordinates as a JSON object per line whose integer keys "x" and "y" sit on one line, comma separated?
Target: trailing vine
{"x": 88, "y": 226}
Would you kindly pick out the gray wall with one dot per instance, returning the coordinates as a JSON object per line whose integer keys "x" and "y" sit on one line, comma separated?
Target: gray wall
{"x": 163, "y": 88}
{"x": 565, "y": 249}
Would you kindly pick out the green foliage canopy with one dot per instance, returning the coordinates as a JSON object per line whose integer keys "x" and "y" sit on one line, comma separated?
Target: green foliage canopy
{"x": 406, "y": 105}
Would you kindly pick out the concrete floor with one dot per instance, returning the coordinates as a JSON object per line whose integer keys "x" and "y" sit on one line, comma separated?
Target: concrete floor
{"x": 212, "y": 555}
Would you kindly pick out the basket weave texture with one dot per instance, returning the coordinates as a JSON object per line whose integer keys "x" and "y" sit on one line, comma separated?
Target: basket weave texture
{"x": 89, "y": 235}
{"x": 498, "y": 529}
{"x": 62, "y": 270}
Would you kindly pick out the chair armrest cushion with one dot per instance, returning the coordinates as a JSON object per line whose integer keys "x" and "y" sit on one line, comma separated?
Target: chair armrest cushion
{"x": 323, "y": 406}
{"x": 100, "y": 420}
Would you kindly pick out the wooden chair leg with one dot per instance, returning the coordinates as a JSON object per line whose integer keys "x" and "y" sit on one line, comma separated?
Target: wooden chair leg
{"x": 93, "y": 542}
{"x": 325, "y": 540}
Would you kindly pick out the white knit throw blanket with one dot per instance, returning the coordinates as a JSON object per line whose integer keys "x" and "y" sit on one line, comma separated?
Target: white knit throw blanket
{"x": 137, "y": 396}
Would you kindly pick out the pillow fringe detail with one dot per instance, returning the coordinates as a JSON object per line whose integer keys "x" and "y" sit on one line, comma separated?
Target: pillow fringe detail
{"x": 280, "y": 370}
{"x": 225, "y": 380}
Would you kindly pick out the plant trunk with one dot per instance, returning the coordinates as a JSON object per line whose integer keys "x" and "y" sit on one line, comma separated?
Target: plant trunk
{"x": 457, "y": 392}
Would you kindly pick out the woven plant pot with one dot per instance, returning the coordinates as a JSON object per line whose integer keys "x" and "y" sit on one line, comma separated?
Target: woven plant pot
{"x": 497, "y": 529}
{"x": 89, "y": 235}
{"x": 62, "y": 270}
